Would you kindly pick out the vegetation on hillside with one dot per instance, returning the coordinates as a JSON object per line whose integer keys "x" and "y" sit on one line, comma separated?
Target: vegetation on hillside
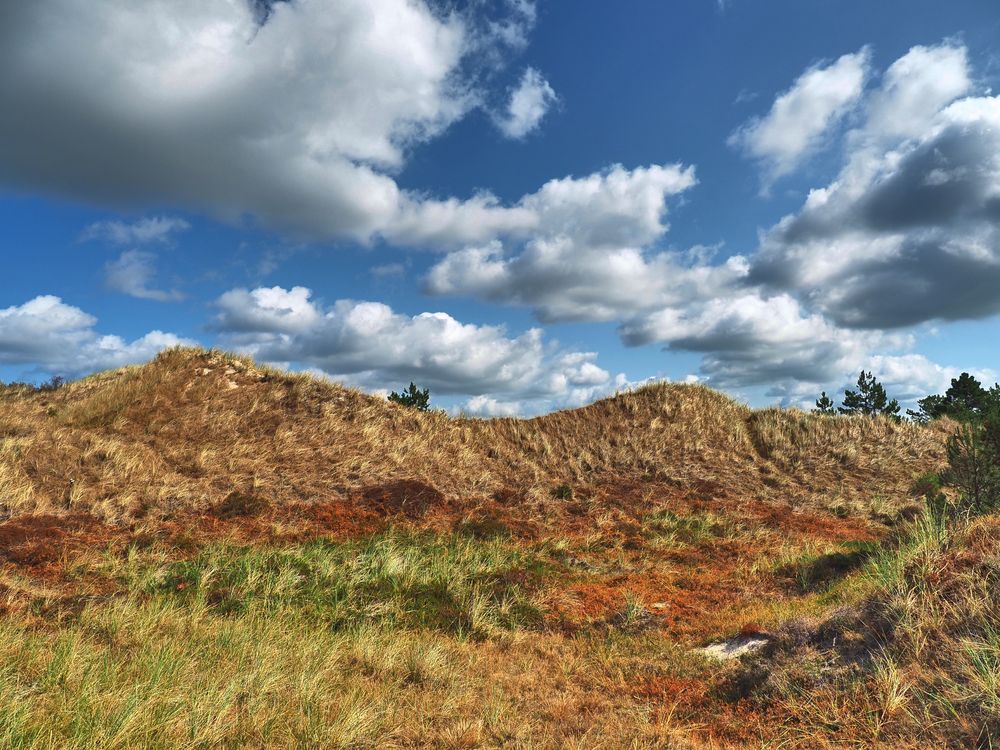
{"x": 204, "y": 553}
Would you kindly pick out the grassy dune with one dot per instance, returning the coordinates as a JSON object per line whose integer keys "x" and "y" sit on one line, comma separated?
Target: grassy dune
{"x": 204, "y": 553}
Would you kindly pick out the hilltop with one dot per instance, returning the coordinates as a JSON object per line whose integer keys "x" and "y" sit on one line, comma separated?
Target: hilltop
{"x": 192, "y": 428}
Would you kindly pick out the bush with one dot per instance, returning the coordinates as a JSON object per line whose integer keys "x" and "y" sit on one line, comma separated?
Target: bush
{"x": 973, "y": 472}
{"x": 413, "y": 397}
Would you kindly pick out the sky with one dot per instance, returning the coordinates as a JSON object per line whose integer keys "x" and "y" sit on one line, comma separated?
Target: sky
{"x": 521, "y": 205}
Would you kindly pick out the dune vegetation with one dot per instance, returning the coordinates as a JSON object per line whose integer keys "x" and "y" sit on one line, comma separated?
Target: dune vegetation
{"x": 204, "y": 553}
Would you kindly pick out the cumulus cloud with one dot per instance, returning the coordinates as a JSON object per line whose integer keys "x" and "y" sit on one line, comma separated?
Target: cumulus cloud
{"x": 145, "y": 231}
{"x": 800, "y": 116}
{"x": 563, "y": 280}
{"x": 293, "y": 113}
{"x": 910, "y": 230}
{"x": 370, "y": 345}
{"x": 132, "y": 274}
{"x": 584, "y": 257}
{"x": 906, "y": 233}
{"x": 48, "y": 336}
{"x": 916, "y": 87}
{"x": 528, "y": 104}
{"x": 616, "y": 205}
{"x": 749, "y": 340}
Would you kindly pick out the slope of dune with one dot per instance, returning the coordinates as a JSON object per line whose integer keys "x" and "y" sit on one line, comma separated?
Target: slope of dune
{"x": 193, "y": 428}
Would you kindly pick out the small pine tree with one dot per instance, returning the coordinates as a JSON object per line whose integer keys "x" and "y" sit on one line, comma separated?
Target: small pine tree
{"x": 824, "y": 404}
{"x": 974, "y": 463}
{"x": 869, "y": 399}
{"x": 413, "y": 397}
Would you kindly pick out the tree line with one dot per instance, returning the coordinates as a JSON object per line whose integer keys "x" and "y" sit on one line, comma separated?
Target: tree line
{"x": 964, "y": 400}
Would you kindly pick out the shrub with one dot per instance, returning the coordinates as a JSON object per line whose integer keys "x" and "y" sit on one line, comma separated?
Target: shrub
{"x": 973, "y": 472}
{"x": 562, "y": 492}
{"x": 413, "y": 397}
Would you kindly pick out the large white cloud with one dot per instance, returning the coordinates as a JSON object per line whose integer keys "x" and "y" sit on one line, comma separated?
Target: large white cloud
{"x": 910, "y": 230}
{"x": 749, "y": 340}
{"x": 800, "y": 116}
{"x": 563, "y": 280}
{"x": 915, "y": 88}
{"x": 48, "y": 336}
{"x": 370, "y": 345}
{"x": 294, "y": 113}
{"x": 584, "y": 258}
{"x": 613, "y": 206}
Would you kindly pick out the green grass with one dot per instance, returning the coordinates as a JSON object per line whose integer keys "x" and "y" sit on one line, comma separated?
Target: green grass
{"x": 666, "y": 528}
{"x": 397, "y": 579}
{"x": 319, "y": 645}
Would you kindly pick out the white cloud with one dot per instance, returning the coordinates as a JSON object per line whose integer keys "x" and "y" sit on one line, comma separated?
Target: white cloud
{"x": 799, "y": 117}
{"x": 614, "y": 206}
{"x": 915, "y": 88}
{"x": 268, "y": 310}
{"x": 562, "y": 280}
{"x": 145, "y": 231}
{"x": 132, "y": 274}
{"x": 296, "y": 117}
{"x": 908, "y": 232}
{"x": 584, "y": 259}
{"x": 484, "y": 406}
{"x": 749, "y": 340}
{"x": 370, "y": 345}
{"x": 528, "y": 104}
{"x": 49, "y": 336}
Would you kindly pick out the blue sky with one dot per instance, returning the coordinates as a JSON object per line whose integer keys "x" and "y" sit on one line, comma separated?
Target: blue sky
{"x": 523, "y": 205}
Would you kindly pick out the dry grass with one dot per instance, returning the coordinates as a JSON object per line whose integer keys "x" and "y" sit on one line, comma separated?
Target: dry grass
{"x": 204, "y": 553}
{"x": 192, "y": 427}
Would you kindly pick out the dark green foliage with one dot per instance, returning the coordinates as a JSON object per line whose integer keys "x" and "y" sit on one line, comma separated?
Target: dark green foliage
{"x": 973, "y": 471}
{"x": 562, "y": 492}
{"x": 965, "y": 398}
{"x": 412, "y": 396}
{"x": 824, "y": 405}
{"x": 870, "y": 399}
{"x": 974, "y": 464}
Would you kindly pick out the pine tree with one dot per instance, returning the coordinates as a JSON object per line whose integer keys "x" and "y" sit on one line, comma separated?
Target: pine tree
{"x": 413, "y": 397}
{"x": 824, "y": 404}
{"x": 869, "y": 399}
{"x": 965, "y": 399}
